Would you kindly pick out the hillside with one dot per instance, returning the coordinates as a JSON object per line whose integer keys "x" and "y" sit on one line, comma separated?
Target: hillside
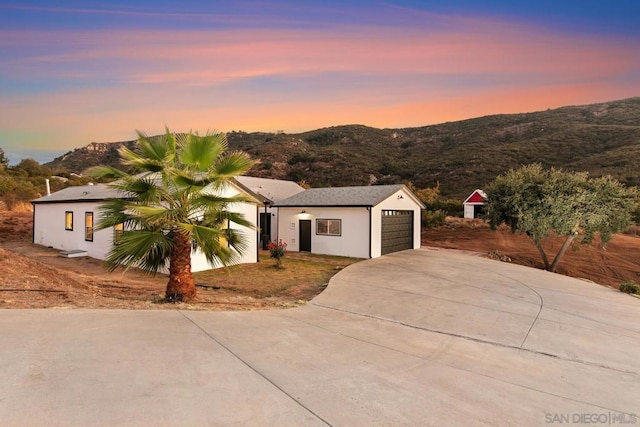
{"x": 600, "y": 138}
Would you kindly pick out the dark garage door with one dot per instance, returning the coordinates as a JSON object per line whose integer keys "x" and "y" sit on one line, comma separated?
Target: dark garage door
{"x": 397, "y": 231}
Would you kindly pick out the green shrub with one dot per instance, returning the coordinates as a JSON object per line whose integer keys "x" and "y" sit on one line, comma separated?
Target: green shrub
{"x": 432, "y": 219}
{"x": 451, "y": 207}
{"x": 630, "y": 287}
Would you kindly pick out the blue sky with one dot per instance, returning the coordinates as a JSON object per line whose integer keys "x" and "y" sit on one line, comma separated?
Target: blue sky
{"x": 81, "y": 71}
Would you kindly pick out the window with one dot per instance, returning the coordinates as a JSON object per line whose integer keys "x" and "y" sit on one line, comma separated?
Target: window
{"x": 224, "y": 239}
{"x": 68, "y": 220}
{"x": 118, "y": 229}
{"x": 88, "y": 226}
{"x": 329, "y": 227}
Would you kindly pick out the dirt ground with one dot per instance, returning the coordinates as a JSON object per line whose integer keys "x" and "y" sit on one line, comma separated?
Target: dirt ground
{"x": 33, "y": 276}
{"x": 616, "y": 263}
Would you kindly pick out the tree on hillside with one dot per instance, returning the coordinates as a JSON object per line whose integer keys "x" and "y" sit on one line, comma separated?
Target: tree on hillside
{"x": 536, "y": 201}
{"x": 4, "y": 161}
{"x": 32, "y": 168}
{"x": 174, "y": 205}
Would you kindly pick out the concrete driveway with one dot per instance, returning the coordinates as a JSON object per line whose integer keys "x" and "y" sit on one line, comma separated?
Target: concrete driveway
{"x": 421, "y": 337}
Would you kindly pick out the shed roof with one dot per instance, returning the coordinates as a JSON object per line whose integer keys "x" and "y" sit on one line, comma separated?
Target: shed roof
{"x": 478, "y": 196}
{"x": 344, "y": 196}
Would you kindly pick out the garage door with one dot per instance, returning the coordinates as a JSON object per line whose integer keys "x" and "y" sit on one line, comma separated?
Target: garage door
{"x": 397, "y": 231}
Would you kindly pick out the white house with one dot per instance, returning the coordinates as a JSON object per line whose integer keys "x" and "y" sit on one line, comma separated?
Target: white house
{"x": 362, "y": 222}
{"x": 474, "y": 204}
{"x": 270, "y": 192}
{"x": 65, "y": 220}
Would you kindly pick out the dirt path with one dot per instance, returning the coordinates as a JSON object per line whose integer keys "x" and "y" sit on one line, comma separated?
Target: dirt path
{"x": 32, "y": 276}
{"x": 617, "y": 262}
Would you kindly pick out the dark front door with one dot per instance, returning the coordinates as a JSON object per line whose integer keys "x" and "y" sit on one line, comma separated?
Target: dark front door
{"x": 305, "y": 235}
{"x": 265, "y": 227}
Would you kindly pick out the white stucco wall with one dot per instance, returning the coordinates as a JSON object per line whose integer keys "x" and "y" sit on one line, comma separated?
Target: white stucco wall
{"x": 49, "y": 228}
{"x": 468, "y": 210}
{"x": 354, "y": 241}
{"x": 199, "y": 261}
{"x": 394, "y": 202}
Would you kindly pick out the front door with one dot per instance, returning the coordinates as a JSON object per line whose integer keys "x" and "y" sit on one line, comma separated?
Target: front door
{"x": 305, "y": 235}
{"x": 265, "y": 228}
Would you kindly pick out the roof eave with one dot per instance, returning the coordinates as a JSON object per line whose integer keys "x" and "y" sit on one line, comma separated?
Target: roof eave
{"x": 276, "y": 205}
{"x": 42, "y": 202}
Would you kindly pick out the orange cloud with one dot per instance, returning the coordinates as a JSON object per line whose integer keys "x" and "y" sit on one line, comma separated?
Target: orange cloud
{"x": 268, "y": 79}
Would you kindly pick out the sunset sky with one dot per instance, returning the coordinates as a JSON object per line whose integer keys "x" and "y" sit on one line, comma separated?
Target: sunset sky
{"x": 73, "y": 72}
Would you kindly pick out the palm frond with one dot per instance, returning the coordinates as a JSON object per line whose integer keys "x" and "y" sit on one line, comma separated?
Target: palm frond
{"x": 144, "y": 249}
{"x": 112, "y": 212}
{"x": 153, "y": 148}
{"x": 201, "y": 153}
{"x": 238, "y": 241}
{"x": 233, "y": 164}
{"x": 213, "y": 243}
{"x": 214, "y": 202}
{"x": 104, "y": 172}
{"x": 238, "y": 219}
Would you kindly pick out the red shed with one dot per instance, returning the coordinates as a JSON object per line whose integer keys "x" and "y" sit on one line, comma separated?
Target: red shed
{"x": 474, "y": 204}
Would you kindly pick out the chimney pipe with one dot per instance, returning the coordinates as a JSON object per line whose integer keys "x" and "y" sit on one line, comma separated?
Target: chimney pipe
{"x": 46, "y": 183}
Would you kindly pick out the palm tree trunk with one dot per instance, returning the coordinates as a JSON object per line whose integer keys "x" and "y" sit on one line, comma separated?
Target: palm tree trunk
{"x": 181, "y": 286}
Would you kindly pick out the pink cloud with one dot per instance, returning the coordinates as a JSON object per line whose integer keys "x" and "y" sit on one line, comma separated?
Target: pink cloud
{"x": 193, "y": 79}
{"x": 212, "y": 57}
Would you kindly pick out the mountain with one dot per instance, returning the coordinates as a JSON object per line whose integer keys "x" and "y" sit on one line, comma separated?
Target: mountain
{"x": 599, "y": 138}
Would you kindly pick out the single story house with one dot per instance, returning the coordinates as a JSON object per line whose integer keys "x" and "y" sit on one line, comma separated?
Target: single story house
{"x": 65, "y": 220}
{"x": 270, "y": 192}
{"x": 361, "y": 222}
{"x": 474, "y": 204}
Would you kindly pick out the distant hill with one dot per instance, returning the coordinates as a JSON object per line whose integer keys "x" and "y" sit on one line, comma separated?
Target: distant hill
{"x": 464, "y": 155}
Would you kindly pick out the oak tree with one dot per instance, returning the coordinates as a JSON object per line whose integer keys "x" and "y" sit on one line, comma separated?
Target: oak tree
{"x": 538, "y": 201}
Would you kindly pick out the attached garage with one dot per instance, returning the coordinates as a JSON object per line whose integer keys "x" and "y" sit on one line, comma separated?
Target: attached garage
{"x": 361, "y": 222}
{"x": 397, "y": 231}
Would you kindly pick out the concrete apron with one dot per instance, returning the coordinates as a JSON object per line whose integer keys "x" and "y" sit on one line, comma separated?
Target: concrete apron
{"x": 420, "y": 337}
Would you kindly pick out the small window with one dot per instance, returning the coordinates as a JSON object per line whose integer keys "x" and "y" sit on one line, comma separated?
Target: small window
{"x": 329, "y": 227}
{"x": 118, "y": 229}
{"x": 224, "y": 240}
{"x": 88, "y": 226}
{"x": 68, "y": 220}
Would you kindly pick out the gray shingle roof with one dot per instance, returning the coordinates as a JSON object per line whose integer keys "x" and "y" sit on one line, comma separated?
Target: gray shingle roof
{"x": 272, "y": 189}
{"x": 341, "y": 196}
{"x": 258, "y": 188}
{"x": 83, "y": 193}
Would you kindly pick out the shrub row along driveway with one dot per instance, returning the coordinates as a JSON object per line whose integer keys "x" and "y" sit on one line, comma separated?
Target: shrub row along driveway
{"x": 421, "y": 337}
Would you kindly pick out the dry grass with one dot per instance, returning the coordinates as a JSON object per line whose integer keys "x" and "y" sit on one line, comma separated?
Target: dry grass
{"x": 301, "y": 277}
{"x": 36, "y": 277}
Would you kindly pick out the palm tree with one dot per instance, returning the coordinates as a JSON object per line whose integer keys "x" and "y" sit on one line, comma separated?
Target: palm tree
{"x": 175, "y": 205}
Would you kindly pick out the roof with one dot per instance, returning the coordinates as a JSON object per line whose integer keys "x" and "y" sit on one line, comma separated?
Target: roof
{"x": 272, "y": 189}
{"x": 83, "y": 193}
{"x": 100, "y": 192}
{"x": 344, "y": 196}
{"x": 478, "y": 196}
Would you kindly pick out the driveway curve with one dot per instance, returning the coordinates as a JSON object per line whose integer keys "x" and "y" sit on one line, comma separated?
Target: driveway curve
{"x": 423, "y": 337}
